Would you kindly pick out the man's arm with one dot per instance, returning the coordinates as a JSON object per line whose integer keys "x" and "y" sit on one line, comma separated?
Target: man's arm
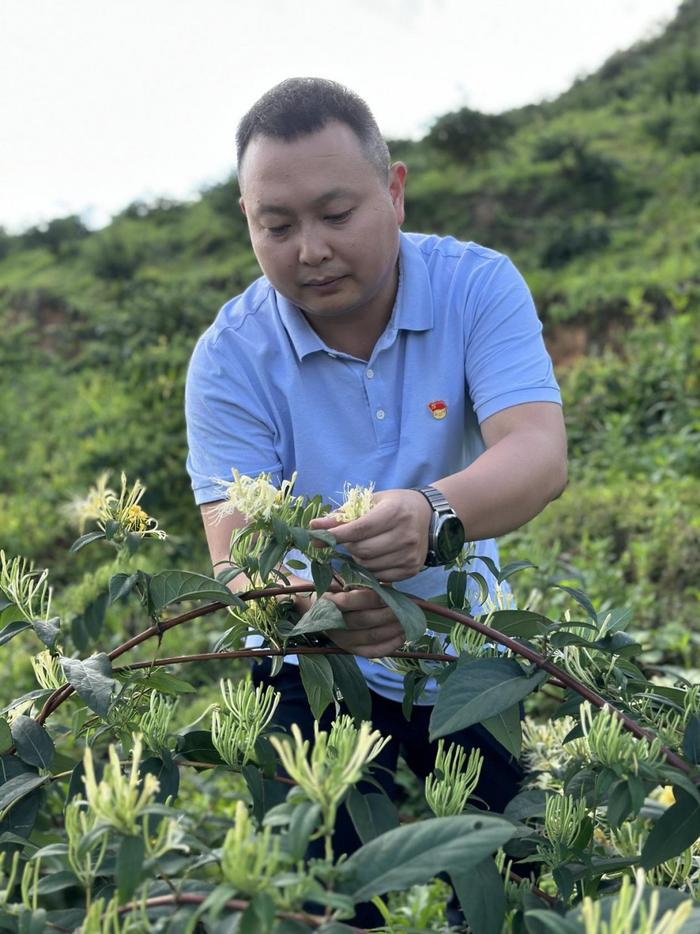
{"x": 522, "y": 469}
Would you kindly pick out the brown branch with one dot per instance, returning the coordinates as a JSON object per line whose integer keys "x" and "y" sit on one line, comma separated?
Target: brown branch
{"x": 563, "y": 678}
{"x": 233, "y": 904}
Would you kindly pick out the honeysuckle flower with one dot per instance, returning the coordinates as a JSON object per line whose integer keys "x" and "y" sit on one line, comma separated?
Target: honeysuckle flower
{"x": 119, "y": 800}
{"x": 47, "y": 670}
{"x": 26, "y": 587}
{"x": 247, "y": 712}
{"x": 250, "y": 859}
{"x": 256, "y": 498}
{"x": 631, "y": 913}
{"x": 124, "y": 511}
{"x": 335, "y": 762}
{"x": 453, "y": 779}
{"x": 8, "y": 878}
{"x": 85, "y": 863}
{"x": 155, "y": 722}
{"x": 607, "y": 743}
{"x": 89, "y": 508}
{"x": 544, "y": 752}
{"x": 563, "y": 818}
{"x": 357, "y": 502}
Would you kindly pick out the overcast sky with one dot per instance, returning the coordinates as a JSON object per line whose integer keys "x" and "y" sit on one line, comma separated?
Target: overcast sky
{"x": 106, "y": 101}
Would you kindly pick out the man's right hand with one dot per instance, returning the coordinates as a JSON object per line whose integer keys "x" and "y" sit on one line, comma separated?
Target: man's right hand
{"x": 373, "y": 629}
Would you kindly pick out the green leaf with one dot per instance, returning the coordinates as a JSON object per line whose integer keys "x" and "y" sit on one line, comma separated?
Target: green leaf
{"x": 57, "y": 881}
{"x": 265, "y": 792}
{"x": 691, "y": 740}
{"x": 259, "y": 916}
{"x": 619, "y": 803}
{"x": 129, "y": 867}
{"x": 304, "y": 821}
{"x": 410, "y": 616}
{"x": 322, "y": 575}
{"x": 34, "y": 745}
{"x": 456, "y": 588}
{"x": 477, "y": 690}
{"x": 6, "y": 742}
{"x": 541, "y": 921}
{"x": 13, "y": 629}
{"x": 168, "y": 587}
{"x": 47, "y": 630}
{"x": 317, "y": 678}
{"x": 17, "y": 788}
{"x": 581, "y": 598}
{"x": 481, "y": 896}
{"x": 272, "y": 555}
{"x": 167, "y": 773}
{"x": 530, "y": 803}
{"x": 166, "y": 683}
{"x": 197, "y": 746}
{"x": 85, "y": 540}
{"x": 324, "y": 614}
{"x": 513, "y": 567}
{"x": 87, "y": 626}
{"x": 507, "y": 729}
{"x": 521, "y": 623}
{"x": 92, "y": 680}
{"x": 676, "y": 830}
{"x": 350, "y": 681}
{"x": 121, "y": 585}
{"x": 414, "y": 853}
{"x": 481, "y": 583}
{"x": 372, "y": 814}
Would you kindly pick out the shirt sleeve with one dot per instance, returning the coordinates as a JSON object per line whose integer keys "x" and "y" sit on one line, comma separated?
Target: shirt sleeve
{"x": 506, "y": 362}
{"x": 226, "y": 428}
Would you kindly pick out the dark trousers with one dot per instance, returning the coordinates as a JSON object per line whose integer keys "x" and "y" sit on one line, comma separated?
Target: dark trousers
{"x": 500, "y": 773}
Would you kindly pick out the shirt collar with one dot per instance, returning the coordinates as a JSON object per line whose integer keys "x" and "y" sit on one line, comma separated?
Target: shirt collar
{"x": 413, "y": 308}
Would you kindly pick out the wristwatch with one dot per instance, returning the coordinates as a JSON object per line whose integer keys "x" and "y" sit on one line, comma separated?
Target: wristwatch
{"x": 446, "y": 534}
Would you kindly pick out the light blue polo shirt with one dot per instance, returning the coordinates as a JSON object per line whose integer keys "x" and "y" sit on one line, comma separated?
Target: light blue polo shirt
{"x": 265, "y": 394}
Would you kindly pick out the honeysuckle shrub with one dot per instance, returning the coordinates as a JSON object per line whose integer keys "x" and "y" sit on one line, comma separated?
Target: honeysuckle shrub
{"x": 126, "y": 807}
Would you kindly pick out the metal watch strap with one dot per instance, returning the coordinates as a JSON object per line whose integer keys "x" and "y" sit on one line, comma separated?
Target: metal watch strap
{"x": 436, "y": 499}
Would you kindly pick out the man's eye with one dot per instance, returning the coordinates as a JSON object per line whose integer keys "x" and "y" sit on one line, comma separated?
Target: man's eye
{"x": 278, "y": 231}
{"x": 339, "y": 218}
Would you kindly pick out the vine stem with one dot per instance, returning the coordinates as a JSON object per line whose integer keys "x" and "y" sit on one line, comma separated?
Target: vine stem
{"x": 234, "y": 904}
{"x": 563, "y": 677}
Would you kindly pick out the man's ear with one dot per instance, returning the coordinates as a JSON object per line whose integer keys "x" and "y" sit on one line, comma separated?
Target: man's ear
{"x": 241, "y": 205}
{"x": 397, "y": 187}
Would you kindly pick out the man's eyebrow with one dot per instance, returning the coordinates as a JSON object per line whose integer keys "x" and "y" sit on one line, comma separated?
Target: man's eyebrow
{"x": 317, "y": 202}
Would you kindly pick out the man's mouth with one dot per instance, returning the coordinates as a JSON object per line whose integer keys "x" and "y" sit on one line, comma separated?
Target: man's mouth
{"x": 327, "y": 280}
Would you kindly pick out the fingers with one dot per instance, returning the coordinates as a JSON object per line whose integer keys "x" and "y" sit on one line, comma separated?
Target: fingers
{"x": 370, "y": 643}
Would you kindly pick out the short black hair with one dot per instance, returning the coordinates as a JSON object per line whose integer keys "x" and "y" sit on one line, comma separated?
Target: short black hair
{"x": 299, "y": 106}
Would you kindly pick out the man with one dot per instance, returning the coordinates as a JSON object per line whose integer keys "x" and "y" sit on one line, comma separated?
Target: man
{"x": 365, "y": 355}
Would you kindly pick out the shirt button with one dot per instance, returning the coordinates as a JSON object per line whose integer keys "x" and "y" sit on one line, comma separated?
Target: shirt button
{"x": 380, "y": 414}
{"x": 370, "y": 374}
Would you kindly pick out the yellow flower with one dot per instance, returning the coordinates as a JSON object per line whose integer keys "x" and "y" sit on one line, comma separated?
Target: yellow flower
{"x": 256, "y": 498}
{"x": 666, "y": 796}
{"x": 357, "y": 502}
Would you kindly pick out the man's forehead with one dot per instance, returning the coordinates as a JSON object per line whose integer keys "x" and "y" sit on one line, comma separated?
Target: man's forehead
{"x": 269, "y": 159}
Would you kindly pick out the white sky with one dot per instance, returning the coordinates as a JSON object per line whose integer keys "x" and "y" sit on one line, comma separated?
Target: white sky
{"x": 106, "y": 101}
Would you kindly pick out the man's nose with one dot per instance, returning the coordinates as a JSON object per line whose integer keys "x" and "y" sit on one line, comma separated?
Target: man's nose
{"x": 314, "y": 248}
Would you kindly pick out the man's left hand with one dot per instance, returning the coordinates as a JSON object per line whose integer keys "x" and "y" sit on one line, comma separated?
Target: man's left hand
{"x": 391, "y": 541}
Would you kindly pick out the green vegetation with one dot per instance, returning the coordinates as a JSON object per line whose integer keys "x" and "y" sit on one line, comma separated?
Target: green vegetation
{"x": 595, "y": 197}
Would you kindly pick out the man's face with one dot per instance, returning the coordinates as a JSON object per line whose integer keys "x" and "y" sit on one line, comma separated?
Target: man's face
{"x": 324, "y": 226}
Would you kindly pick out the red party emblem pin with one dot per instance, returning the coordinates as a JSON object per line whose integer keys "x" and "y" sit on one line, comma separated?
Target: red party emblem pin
{"x": 438, "y": 408}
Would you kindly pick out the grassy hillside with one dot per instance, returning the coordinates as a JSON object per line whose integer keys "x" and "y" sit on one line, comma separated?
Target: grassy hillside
{"x": 594, "y": 195}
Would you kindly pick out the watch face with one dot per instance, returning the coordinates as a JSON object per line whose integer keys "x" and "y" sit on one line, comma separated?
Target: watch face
{"x": 450, "y": 539}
